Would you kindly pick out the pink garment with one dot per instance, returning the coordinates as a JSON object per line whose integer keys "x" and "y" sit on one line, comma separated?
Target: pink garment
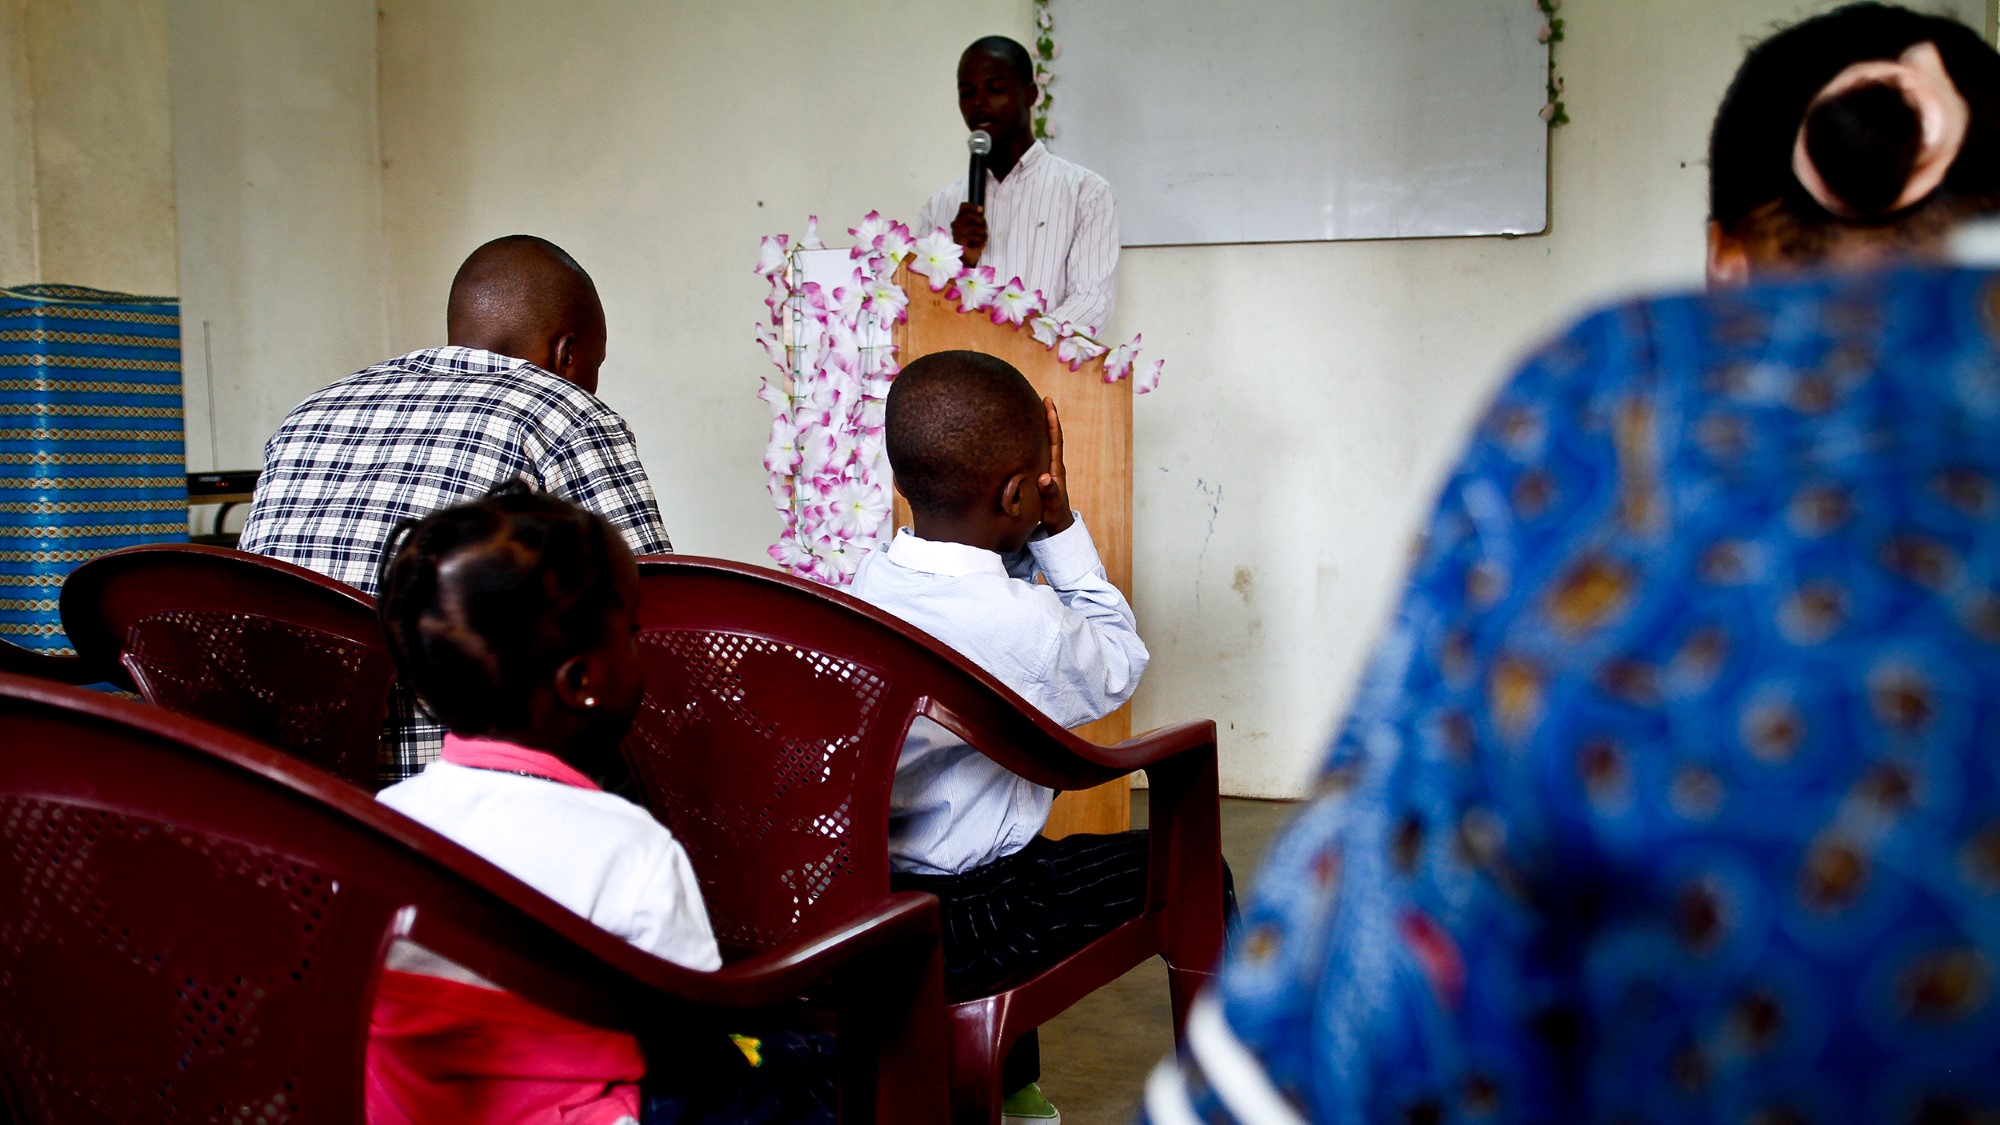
{"x": 441, "y": 1051}
{"x": 486, "y": 754}
{"x": 444, "y": 1051}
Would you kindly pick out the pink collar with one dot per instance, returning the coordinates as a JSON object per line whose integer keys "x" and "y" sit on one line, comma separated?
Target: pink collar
{"x": 487, "y": 754}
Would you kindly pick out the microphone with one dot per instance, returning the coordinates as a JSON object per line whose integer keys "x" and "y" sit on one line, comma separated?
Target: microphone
{"x": 979, "y": 144}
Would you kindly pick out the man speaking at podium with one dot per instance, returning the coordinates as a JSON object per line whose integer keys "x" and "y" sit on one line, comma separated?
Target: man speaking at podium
{"x": 1043, "y": 219}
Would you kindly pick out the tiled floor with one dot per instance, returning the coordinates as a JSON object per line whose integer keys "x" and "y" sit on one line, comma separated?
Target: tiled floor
{"x": 1096, "y": 1056}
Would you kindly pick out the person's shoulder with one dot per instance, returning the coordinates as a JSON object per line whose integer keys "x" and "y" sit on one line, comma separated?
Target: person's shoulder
{"x": 370, "y": 382}
{"x": 1084, "y": 179}
{"x": 617, "y": 817}
{"x": 519, "y": 392}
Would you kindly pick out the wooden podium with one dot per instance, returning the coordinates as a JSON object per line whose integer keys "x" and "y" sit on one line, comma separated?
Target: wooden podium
{"x": 1097, "y": 451}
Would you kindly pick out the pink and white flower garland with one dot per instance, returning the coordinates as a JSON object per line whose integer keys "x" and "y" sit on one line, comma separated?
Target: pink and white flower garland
{"x": 829, "y": 472}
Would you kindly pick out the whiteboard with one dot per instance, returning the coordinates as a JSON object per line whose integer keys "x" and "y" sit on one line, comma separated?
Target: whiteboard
{"x": 1302, "y": 120}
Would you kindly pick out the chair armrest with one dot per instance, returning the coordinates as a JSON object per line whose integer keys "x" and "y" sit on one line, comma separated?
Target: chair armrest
{"x": 1045, "y": 754}
{"x": 869, "y": 943}
{"x": 20, "y": 661}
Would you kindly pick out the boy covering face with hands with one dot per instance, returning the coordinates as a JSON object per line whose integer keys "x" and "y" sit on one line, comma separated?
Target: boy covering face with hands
{"x": 979, "y": 457}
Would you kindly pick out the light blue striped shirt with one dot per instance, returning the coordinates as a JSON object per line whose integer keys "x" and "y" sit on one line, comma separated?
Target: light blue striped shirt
{"x": 1071, "y": 648}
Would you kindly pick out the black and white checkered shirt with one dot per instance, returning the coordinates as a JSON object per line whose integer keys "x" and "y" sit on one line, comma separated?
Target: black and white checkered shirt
{"x": 425, "y": 431}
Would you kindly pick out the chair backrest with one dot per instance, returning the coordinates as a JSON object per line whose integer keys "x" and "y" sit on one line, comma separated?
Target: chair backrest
{"x": 774, "y": 713}
{"x": 275, "y": 651}
{"x": 191, "y": 923}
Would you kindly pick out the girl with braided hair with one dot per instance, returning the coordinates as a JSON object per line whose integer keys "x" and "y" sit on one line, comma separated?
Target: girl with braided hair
{"x": 513, "y": 618}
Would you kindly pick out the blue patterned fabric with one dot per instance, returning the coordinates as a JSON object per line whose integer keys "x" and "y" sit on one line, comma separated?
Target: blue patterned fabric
{"x": 91, "y": 450}
{"x": 1673, "y": 794}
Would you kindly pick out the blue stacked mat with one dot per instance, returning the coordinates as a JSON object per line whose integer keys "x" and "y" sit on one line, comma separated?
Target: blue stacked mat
{"x": 91, "y": 450}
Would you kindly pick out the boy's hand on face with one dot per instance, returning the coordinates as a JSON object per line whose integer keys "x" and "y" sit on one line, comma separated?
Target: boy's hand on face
{"x": 1054, "y": 484}
{"x": 968, "y": 229}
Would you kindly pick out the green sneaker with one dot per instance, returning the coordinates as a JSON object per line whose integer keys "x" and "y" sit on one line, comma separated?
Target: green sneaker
{"x": 1027, "y": 1106}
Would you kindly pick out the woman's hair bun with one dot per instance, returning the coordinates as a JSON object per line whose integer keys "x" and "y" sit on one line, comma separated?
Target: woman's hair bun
{"x": 1865, "y": 143}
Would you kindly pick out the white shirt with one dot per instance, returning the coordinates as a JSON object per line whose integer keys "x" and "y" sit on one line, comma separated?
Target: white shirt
{"x": 1053, "y": 225}
{"x": 1071, "y": 648}
{"x": 596, "y": 853}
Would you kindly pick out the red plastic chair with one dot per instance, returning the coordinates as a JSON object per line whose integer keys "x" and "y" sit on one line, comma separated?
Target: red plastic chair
{"x": 191, "y": 927}
{"x": 16, "y": 660}
{"x": 774, "y": 713}
{"x": 271, "y": 650}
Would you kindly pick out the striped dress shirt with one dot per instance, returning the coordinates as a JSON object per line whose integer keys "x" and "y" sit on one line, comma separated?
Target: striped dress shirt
{"x": 1053, "y": 225}
{"x": 1071, "y": 648}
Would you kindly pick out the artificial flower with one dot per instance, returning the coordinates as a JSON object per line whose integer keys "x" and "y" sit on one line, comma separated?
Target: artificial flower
{"x": 771, "y": 253}
{"x": 792, "y": 555}
{"x": 1015, "y": 303}
{"x": 895, "y": 244}
{"x": 782, "y": 454}
{"x": 843, "y": 351}
{"x": 869, "y": 233}
{"x": 886, "y": 300}
{"x": 938, "y": 258}
{"x": 820, "y": 457}
{"x": 856, "y": 509}
{"x": 1043, "y": 20}
{"x": 779, "y": 296}
{"x": 837, "y": 560}
{"x": 1148, "y": 378}
{"x": 1046, "y": 331}
{"x": 1076, "y": 350}
{"x": 1118, "y": 362}
{"x": 976, "y": 289}
{"x": 811, "y": 240}
{"x": 774, "y": 397}
{"x": 774, "y": 348}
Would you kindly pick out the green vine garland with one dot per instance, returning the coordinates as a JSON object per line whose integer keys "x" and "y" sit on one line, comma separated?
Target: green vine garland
{"x": 1046, "y": 53}
{"x": 1552, "y": 33}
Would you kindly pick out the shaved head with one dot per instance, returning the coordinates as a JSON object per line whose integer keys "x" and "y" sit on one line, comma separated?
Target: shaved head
{"x": 1000, "y": 47}
{"x": 958, "y": 424}
{"x": 525, "y": 297}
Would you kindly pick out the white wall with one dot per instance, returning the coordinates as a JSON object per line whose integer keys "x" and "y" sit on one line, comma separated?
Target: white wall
{"x": 657, "y": 143}
{"x": 86, "y": 166}
{"x": 18, "y": 262}
{"x": 1315, "y": 392}
{"x": 279, "y": 181}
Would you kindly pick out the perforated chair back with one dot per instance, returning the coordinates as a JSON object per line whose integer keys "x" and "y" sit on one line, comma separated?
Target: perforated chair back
{"x": 190, "y": 923}
{"x": 274, "y": 651}
{"x": 774, "y": 713}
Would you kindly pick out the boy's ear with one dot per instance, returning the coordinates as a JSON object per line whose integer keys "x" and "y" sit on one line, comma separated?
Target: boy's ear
{"x": 573, "y": 685}
{"x": 1010, "y": 494}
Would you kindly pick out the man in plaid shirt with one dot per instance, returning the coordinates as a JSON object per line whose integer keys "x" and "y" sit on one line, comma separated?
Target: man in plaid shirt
{"x": 513, "y": 397}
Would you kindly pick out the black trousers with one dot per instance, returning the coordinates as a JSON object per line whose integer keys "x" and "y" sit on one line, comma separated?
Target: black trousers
{"x": 1026, "y": 911}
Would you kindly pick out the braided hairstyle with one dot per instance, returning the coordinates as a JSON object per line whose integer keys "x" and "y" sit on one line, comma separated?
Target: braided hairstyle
{"x": 1864, "y": 141}
{"x": 484, "y": 601}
